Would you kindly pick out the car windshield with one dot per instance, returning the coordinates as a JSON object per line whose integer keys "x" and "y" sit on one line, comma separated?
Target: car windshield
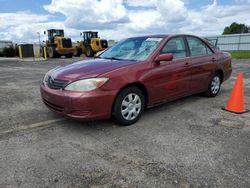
{"x": 137, "y": 49}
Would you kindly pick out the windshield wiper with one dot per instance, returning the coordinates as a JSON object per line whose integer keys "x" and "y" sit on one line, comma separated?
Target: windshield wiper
{"x": 115, "y": 58}
{"x": 112, "y": 58}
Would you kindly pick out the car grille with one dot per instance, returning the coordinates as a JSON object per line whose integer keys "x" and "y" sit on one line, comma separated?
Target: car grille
{"x": 104, "y": 43}
{"x": 53, "y": 106}
{"x": 66, "y": 43}
{"x": 56, "y": 84}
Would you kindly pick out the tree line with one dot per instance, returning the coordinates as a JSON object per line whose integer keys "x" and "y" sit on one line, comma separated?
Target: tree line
{"x": 236, "y": 28}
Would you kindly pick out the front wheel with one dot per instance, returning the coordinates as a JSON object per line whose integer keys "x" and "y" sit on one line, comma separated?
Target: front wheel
{"x": 78, "y": 52}
{"x": 51, "y": 52}
{"x": 89, "y": 52}
{"x": 129, "y": 106}
{"x": 214, "y": 86}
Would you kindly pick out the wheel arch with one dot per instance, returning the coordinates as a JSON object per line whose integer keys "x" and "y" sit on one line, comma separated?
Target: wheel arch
{"x": 140, "y": 86}
{"x": 220, "y": 73}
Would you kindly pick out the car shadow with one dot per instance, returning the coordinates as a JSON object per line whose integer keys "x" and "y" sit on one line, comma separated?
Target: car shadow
{"x": 109, "y": 124}
{"x": 104, "y": 125}
{"x": 80, "y": 125}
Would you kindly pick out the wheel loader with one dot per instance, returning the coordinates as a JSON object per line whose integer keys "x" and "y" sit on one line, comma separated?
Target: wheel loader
{"x": 91, "y": 44}
{"x": 57, "y": 45}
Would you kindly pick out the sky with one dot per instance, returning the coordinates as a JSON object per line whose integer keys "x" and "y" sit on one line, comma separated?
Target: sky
{"x": 22, "y": 20}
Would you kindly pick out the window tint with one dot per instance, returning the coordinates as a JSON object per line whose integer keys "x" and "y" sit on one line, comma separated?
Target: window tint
{"x": 128, "y": 46}
{"x": 197, "y": 47}
{"x": 176, "y": 46}
{"x": 138, "y": 49}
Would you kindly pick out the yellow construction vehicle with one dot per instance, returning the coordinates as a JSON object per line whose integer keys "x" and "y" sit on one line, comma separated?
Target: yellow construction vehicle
{"x": 57, "y": 45}
{"x": 91, "y": 44}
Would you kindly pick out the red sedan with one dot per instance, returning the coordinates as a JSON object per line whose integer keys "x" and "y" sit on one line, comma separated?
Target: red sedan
{"x": 135, "y": 74}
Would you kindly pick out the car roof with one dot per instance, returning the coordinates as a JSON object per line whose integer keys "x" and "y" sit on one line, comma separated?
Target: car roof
{"x": 153, "y": 36}
{"x": 166, "y": 35}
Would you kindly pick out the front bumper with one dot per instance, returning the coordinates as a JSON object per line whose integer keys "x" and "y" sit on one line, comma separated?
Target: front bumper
{"x": 90, "y": 105}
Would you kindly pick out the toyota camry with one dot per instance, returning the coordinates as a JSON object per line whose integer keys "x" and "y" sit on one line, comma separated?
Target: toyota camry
{"x": 134, "y": 74}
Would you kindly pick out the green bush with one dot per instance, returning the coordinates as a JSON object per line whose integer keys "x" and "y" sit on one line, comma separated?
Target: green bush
{"x": 8, "y": 51}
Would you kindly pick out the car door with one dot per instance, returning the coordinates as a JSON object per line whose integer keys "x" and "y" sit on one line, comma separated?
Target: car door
{"x": 170, "y": 79}
{"x": 202, "y": 62}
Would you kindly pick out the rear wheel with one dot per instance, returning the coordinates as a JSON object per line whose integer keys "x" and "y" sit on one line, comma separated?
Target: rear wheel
{"x": 89, "y": 52}
{"x": 129, "y": 106}
{"x": 214, "y": 86}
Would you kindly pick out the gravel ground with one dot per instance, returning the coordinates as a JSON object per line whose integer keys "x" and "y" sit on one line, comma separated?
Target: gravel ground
{"x": 187, "y": 143}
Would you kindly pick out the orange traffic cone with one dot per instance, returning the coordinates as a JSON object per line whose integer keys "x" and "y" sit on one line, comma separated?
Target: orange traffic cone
{"x": 235, "y": 103}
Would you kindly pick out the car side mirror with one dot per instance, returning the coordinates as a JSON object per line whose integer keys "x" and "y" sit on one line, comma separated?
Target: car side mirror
{"x": 164, "y": 57}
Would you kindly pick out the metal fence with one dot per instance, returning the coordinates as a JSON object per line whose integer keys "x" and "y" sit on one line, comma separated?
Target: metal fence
{"x": 234, "y": 42}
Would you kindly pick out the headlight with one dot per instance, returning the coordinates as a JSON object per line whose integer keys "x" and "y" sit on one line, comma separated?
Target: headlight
{"x": 86, "y": 84}
{"x": 46, "y": 77}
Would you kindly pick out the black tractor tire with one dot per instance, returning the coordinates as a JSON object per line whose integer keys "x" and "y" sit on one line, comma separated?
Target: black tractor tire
{"x": 78, "y": 52}
{"x": 89, "y": 52}
{"x": 57, "y": 55}
{"x": 69, "y": 55}
{"x": 51, "y": 52}
{"x": 214, "y": 86}
{"x": 125, "y": 111}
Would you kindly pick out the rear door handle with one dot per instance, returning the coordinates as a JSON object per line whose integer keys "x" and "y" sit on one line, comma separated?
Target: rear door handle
{"x": 213, "y": 59}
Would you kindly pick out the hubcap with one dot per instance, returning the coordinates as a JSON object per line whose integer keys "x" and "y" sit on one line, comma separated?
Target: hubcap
{"x": 131, "y": 106}
{"x": 215, "y": 85}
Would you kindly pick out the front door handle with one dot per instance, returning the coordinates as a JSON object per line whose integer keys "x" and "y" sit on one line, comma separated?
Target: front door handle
{"x": 186, "y": 64}
{"x": 213, "y": 59}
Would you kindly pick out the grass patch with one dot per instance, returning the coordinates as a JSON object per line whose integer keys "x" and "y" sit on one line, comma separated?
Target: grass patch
{"x": 240, "y": 54}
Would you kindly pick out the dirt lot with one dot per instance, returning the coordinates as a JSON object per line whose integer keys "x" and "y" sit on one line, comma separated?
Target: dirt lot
{"x": 187, "y": 143}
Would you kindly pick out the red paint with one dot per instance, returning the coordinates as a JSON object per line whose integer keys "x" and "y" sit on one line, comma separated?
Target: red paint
{"x": 164, "y": 80}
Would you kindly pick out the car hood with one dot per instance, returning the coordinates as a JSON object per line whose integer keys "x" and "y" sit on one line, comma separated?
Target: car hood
{"x": 88, "y": 68}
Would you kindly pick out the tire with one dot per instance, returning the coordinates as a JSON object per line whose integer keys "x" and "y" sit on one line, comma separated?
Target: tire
{"x": 58, "y": 55}
{"x": 78, "y": 52}
{"x": 89, "y": 52}
{"x": 51, "y": 52}
{"x": 214, "y": 86}
{"x": 68, "y": 55}
{"x": 128, "y": 106}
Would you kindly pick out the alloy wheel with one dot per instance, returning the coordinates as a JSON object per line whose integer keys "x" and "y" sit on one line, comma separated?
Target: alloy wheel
{"x": 215, "y": 85}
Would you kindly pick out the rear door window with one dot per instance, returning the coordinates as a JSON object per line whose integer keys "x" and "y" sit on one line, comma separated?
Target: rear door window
{"x": 198, "y": 47}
